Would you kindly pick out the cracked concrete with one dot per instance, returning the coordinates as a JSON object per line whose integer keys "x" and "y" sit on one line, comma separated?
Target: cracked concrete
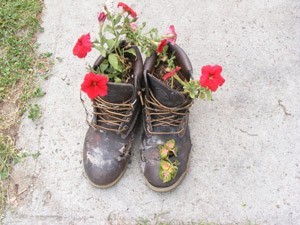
{"x": 245, "y": 163}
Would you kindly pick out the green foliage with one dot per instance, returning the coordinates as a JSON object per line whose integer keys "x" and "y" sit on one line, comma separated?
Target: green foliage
{"x": 19, "y": 23}
{"x": 7, "y": 155}
{"x": 115, "y": 62}
{"x": 59, "y": 59}
{"x": 167, "y": 168}
{"x": 34, "y": 112}
{"x": 38, "y": 92}
{"x": 10, "y": 156}
{"x": 116, "y": 37}
{"x": 46, "y": 55}
{"x": 111, "y": 43}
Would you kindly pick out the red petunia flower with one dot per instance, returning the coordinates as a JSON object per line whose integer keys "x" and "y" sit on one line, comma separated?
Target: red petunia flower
{"x": 171, "y": 73}
{"x": 211, "y": 77}
{"x": 94, "y": 85}
{"x": 127, "y": 9}
{"x": 83, "y": 46}
{"x": 161, "y": 45}
{"x": 171, "y": 35}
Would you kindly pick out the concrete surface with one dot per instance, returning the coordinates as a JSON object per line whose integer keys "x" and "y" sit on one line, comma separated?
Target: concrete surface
{"x": 245, "y": 166}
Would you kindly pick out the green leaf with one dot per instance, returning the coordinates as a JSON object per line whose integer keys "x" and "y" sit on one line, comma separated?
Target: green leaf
{"x": 170, "y": 144}
{"x": 176, "y": 163}
{"x": 208, "y": 95}
{"x": 103, "y": 52}
{"x": 109, "y": 16}
{"x": 4, "y": 175}
{"x": 173, "y": 171}
{"x": 165, "y": 165}
{"x": 123, "y": 32}
{"x": 192, "y": 95}
{"x": 165, "y": 176}
{"x": 111, "y": 43}
{"x": 104, "y": 66}
{"x": 126, "y": 20}
{"x": 202, "y": 95}
{"x": 114, "y": 62}
{"x": 163, "y": 152}
{"x": 118, "y": 27}
{"x": 148, "y": 54}
{"x": 175, "y": 150}
{"x": 118, "y": 80}
{"x": 109, "y": 29}
{"x": 117, "y": 19}
{"x": 131, "y": 51}
{"x": 102, "y": 39}
{"x": 36, "y": 155}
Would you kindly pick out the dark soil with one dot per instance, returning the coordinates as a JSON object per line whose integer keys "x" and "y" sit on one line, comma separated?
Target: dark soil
{"x": 160, "y": 71}
{"x": 129, "y": 77}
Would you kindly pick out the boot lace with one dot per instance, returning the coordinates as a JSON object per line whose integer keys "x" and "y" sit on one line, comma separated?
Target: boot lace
{"x": 159, "y": 115}
{"x": 112, "y": 115}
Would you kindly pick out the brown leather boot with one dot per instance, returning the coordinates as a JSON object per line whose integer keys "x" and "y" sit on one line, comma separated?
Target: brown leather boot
{"x": 108, "y": 141}
{"x": 165, "y": 119}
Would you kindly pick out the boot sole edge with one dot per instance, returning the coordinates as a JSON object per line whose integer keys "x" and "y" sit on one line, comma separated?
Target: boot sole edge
{"x": 110, "y": 184}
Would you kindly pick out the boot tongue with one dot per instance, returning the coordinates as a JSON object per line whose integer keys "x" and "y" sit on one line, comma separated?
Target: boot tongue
{"x": 118, "y": 93}
{"x": 164, "y": 94}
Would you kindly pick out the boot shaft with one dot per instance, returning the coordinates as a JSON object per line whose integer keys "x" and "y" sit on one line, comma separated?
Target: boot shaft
{"x": 166, "y": 109}
{"x": 119, "y": 109}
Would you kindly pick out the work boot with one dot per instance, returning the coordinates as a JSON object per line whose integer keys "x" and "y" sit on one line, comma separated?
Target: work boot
{"x": 108, "y": 141}
{"x": 166, "y": 130}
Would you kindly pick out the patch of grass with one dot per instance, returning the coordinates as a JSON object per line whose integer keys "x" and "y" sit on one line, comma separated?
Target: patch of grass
{"x": 20, "y": 69}
{"x": 7, "y": 156}
{"x": 38, "y": 92}
{"x": 35, "y": 112}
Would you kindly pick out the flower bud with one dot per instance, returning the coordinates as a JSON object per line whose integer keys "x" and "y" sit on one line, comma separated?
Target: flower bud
{"x": 101, "y": 17}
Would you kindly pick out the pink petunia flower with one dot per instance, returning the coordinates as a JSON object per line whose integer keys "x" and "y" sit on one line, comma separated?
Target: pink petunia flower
{"x": 171, "y": 35}
{"x": 133, "y": 26}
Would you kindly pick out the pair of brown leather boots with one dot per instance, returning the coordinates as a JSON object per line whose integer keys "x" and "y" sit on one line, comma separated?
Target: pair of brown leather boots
{"x": 165, "y": 114}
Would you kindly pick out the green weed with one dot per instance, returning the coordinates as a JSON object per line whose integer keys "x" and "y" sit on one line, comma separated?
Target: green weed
{"x": 19, "y": 23}
{"x": 35, "y": 112}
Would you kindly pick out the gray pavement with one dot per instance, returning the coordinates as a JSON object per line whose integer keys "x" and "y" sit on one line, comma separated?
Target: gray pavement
{"x": 245, "y": 165}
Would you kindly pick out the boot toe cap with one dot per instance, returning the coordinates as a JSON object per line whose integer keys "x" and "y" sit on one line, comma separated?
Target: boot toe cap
{"x": 151, "y": 174}
{"x": 151, "y": 161}
{"x": 104, "y": 173}
{"x": 104, "y": 163}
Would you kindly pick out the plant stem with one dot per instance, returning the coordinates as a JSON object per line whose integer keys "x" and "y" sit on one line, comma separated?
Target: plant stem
{"x": 178, "y": 79}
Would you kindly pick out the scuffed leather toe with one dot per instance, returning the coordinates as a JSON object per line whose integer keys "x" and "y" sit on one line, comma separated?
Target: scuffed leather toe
{"x": 105, "y": 158}
{"x": 151, "y": 160}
